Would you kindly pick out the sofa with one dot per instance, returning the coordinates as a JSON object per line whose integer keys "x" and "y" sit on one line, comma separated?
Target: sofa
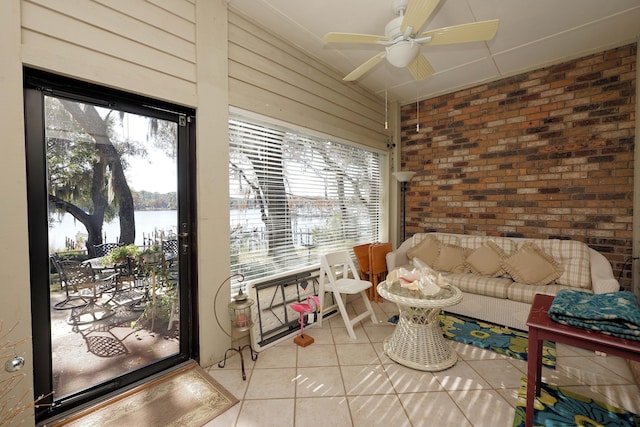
{"x": 499, "y": 276}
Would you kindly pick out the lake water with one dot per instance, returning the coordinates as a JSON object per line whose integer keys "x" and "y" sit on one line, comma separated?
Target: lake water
{"x": 146, "y": 223}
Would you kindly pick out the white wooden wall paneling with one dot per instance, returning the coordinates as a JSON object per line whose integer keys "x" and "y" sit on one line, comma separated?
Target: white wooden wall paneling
{"x": 262, "y": 101}
{"x": 244, "y": 33}
{"x": 63, "y": 27}
{"x": 116, "y": 22}
{"x": 182, "y": 8}
{"x": 309, "y": 80}
{"x": 41, "y": 51}
{"x": 155, "y": 16}
{"x": 282, "y": 88}
{"x": 271, "y": 77}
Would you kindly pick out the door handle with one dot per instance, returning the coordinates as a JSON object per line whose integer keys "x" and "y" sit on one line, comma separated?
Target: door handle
{"x": 185, "y": 245}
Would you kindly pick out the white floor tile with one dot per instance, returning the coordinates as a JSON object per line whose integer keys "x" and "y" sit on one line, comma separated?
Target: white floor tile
{"x": 407, "y": 380}
{"x": 486, "y": 408}
{"x": 267, "y": 413}
{"x": 366, "y": 380}
{"x": 461, "y": 377}
{"x": 357, "y": 354}
{"x": 338, "y": 381}
{"x": 386, "y": 410}
{"x": 317, "y": 355}
{"x": 498, "y": 373}
{"x": 279, "y": 356}
{"x": 435, "y": 408}
{"x": 322, "y": 411}
{"x": 271, "y": 384}
{"x": 320, "y": 381}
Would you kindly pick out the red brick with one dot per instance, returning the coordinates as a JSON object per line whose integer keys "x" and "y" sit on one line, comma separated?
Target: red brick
{"x": 538, "y": 165}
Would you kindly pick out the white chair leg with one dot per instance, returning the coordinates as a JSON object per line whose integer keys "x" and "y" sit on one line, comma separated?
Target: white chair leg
{"x": 367, "y": 303}
{"x": 345, "y": 316}
{"x": 323, "y": 303}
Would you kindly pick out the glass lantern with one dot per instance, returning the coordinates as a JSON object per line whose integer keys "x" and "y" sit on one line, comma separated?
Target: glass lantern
{"x": 240, "y": 312}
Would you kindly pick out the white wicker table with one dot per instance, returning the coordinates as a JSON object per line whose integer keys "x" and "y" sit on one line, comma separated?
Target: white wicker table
{"x": 417, "y": 342}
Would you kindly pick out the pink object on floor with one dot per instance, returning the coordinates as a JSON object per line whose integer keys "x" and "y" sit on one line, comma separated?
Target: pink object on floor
{"x": 305, "y": 307}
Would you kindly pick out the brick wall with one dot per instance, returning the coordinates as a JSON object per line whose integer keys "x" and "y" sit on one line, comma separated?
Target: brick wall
{"x": 544, "y": 154}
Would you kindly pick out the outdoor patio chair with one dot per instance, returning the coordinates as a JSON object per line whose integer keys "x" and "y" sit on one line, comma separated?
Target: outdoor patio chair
{"x": 73, "y": 299}
{"x": 170, "y": 246}
{"x": 338, "y": 275}
{"x": 82, "y": 279}
{"x": 104, "y": 249}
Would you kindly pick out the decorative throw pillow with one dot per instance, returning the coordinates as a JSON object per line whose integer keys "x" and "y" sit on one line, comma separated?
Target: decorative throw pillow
{"x": 426, "y": 251}
{"x": 451, "y": 258}
{"x": 532, "y": 266}
{"x": 486, "y": 260}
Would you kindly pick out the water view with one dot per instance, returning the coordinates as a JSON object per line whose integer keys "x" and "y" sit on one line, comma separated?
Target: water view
{"x": 147, "y": 223}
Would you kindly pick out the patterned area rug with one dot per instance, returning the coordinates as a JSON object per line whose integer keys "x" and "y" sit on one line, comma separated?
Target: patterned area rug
{"x": 187, "y": 396}
{"x": 502, "y": 340}
{"x": 559, "y": 407}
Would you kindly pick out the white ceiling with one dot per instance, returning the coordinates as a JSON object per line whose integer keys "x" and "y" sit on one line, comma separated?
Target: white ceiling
{"x": 532, "y": 34}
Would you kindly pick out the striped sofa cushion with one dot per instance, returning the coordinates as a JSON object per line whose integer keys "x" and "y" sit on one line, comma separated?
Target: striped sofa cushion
{"x": 524, "y": 292}
{"x": 482, "y": 285}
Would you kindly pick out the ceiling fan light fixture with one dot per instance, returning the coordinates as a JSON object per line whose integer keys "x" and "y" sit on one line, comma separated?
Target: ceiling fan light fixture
{"x": 402, "y": 53}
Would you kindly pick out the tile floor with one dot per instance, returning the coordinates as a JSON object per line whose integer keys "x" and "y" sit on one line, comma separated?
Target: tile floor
{"x": 339, "y": 382}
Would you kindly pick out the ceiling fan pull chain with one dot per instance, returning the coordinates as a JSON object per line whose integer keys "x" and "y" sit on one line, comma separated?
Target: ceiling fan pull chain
{"x": 386, "y": 104}
{"x": 417, "y": 100}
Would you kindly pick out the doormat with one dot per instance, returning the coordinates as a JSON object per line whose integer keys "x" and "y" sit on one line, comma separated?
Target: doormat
{"x": 187, "y": 396}
{"x": 509, "y": 342}
{"x": 559, "y": 407}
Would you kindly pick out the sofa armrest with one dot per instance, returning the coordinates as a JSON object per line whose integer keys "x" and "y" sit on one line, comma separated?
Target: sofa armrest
{"x": 398, "y": 258}
{"x": 602, "y": 279}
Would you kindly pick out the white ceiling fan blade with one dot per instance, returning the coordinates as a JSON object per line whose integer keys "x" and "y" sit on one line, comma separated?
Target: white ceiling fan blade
{"x": 471, "y": 32}
{"x": 420, "y": 68}
{"x": 368, "y": 65}
{"x": 352, "y": 38}
{"x": 417, "y": 14}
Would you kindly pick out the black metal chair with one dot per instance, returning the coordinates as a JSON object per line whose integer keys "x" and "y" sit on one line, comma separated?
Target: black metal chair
{"x": 170, "y": 251}
{"x": 104, "y": 249}
{"x": 71, "y": 294}
{"x": 170, "y": 246}
{"x": 81, "y": 278}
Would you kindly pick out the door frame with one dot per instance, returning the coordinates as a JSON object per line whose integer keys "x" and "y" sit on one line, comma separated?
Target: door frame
{"x": 37, "y": 84}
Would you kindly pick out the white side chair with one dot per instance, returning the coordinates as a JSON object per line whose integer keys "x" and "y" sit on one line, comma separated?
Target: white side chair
{"x": 339, "y": 275}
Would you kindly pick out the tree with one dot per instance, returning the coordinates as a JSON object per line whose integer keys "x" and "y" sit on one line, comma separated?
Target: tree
{"x": 269, "y": 188}
{"x": 86, "y": 170}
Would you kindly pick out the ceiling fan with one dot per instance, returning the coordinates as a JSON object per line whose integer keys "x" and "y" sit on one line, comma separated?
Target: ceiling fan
{"x": 403, "y": 39}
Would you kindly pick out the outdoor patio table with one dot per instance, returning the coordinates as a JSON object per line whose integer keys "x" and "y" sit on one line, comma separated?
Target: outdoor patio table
{"x": 417, "y": 341}
{"x": 99, "y": 263}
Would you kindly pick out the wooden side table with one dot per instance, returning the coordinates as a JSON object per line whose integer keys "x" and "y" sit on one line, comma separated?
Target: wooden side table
{"x": 372, "y": 264}
{"x": 541, "y": 328}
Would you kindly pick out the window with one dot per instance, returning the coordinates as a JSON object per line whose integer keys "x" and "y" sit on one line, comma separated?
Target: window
{"x": 294, "y": 196}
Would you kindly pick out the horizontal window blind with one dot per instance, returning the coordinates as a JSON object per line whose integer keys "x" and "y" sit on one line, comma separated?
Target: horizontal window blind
{"x": 295, "y": 196}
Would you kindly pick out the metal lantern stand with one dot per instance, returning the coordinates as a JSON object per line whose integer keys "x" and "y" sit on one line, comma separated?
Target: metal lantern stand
{"x": 240, "y": 314}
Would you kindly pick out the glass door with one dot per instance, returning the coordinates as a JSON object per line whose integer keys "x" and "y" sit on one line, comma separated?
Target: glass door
{"x": 109, "y": 225}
